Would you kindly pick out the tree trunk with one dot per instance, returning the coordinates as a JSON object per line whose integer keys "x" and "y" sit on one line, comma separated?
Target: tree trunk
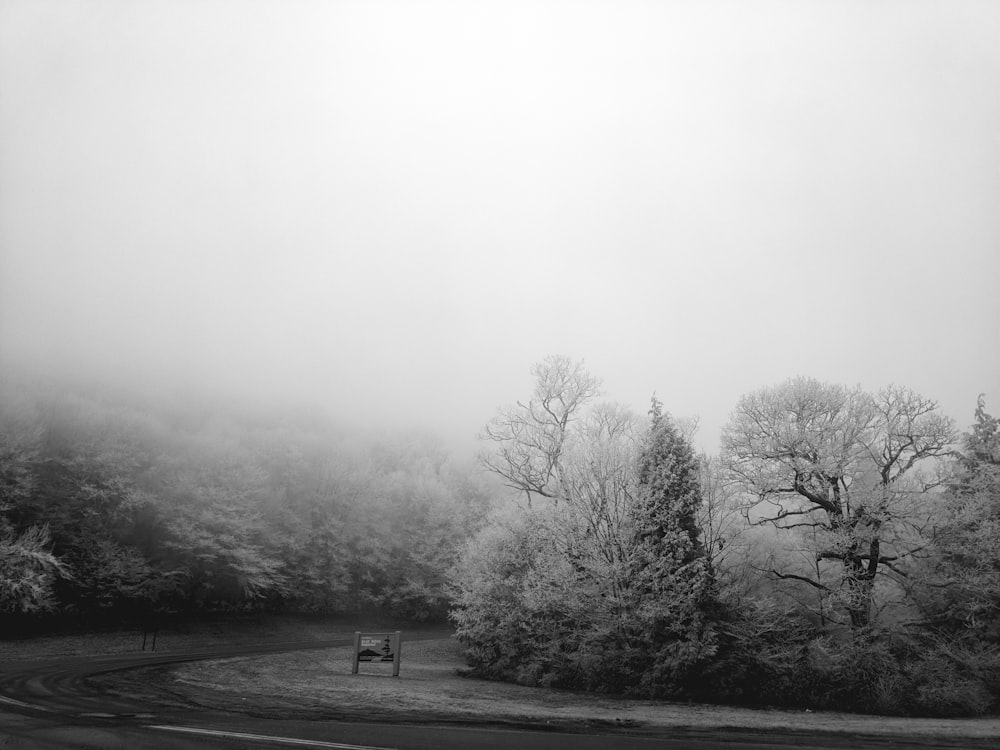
{"x": 860, "y": 588}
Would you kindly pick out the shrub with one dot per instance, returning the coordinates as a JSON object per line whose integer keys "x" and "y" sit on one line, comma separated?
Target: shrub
{"x": 761, "y": 658}
{"x": 952, "y": 678}
{"x": 770, "y": 656}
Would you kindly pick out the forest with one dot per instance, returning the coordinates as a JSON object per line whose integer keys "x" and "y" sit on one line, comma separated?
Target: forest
{"x": 842, "y": 551}
{"x": 119, "y": 509}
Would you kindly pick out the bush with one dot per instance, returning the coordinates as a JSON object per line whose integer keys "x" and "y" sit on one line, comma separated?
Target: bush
{"x": 951, "y": 679}
{"x": 489, "y": 612}
{"x": 762, "y": 657}
{"x": 529, "y": 613}
{"x": 772, "y": 657}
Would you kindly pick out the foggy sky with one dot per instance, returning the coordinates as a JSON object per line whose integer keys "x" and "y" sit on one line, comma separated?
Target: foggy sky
{"x": 392, "y": 209}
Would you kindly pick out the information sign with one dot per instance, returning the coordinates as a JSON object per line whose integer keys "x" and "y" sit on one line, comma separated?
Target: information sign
{"x": 377, "y": 647}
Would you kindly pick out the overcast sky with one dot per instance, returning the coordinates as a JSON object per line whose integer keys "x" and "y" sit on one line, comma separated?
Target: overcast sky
{"x": 393, "y": 209}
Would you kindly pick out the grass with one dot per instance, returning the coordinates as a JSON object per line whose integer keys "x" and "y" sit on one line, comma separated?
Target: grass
{"x": 186, "y": 637}
{"x": 318, "y": 683}
{"x": 429, "y": 688}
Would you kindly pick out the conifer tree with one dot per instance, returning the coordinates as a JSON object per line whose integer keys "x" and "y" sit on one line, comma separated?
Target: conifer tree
{"x": 669, "y": 492}
{"x": 963, "y": 583}
{"x": 672, "y": 581}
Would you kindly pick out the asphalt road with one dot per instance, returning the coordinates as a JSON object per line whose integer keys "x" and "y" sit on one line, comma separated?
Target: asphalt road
{"x": 47, "y": 704}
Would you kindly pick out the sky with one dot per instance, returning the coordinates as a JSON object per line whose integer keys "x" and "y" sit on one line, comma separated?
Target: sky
{"x": 391, "y": 210}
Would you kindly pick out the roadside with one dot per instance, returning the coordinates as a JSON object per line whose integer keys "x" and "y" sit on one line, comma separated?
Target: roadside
{"x": 249, "y": 630}
{"x": 319, "y": 684}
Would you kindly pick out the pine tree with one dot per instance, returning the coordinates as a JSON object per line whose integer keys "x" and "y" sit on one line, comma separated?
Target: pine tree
{"x": 964, "y": 590}
{"x": 669, "y": 492}
{"x": 980, "y": 462}
{"x": 672, "y": 582}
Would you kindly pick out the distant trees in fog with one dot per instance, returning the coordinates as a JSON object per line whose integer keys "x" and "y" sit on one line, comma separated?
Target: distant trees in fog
{"x": 842, "y": 551}
{"x": 112, "y": 511}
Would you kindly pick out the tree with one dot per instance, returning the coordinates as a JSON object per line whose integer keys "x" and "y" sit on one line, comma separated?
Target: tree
{"x": 580, "y": 459}
{"x": 219, "y": 535}
{"x": 124, "y": 509}
{"x": 508, "y": 600}
{"x": 603, "y": 585}
{"x": 982, "y": 445}
{"x": 729, "y": 540}
{"x": 845, "y": 465}
{"x": 529, "y": 439}
{"x": 670, "y": 573}
{"x": 961, "y": 584}
{"x": 669, "y": 495}
{"x": 28, "y": 571}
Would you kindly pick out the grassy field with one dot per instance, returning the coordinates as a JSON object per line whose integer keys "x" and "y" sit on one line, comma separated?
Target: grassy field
{"x": 429, "y": 688}
{"x": 319, "y": 683}
{"x": 192, "y": 635}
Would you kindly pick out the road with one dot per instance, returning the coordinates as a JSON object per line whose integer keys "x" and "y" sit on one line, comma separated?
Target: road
{"x": 47, "y": 704}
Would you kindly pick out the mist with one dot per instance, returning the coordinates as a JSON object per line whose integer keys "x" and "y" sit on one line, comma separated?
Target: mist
{"x": 390, "y": 210}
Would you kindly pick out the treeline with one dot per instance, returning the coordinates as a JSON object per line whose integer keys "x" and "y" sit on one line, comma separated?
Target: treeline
{"x": 842, "y": 552}
{"x": 115, "y": 510}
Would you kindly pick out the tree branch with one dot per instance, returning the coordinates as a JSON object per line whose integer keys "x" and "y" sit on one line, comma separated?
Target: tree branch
{"x": 793, "y": 577}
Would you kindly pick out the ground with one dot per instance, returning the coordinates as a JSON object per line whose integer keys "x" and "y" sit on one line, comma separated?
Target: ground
{"x": 430, "y": 688}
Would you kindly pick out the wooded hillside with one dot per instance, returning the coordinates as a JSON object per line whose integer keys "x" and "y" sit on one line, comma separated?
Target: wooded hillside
{"x": 115, "y": 508}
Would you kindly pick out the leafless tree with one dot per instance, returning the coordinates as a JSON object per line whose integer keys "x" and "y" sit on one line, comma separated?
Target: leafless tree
{"x": 528, "y": 439}
{"x": 842, "y": 464}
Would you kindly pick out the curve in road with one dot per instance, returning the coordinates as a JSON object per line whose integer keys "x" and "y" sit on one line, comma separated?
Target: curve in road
{"x": 49, "y": 702}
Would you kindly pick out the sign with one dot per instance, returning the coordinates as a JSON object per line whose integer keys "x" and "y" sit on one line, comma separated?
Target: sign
{"x": 376, "y": 647}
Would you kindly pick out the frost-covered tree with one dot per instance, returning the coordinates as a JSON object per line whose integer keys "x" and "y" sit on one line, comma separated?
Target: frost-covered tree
{"x": 28, "y": 571}
{"x": 528, "y": 440}
{"x": 122, "y": 509}
{"x": 959, "y": 588}
{"x": 28, "y": 568}
{"x": 669, "y": 492}
{"x": 731, "y": 543}
{"x": 842, "y": 466}
{"x": 670, "y": 575}
{"x": 611, "y": 577}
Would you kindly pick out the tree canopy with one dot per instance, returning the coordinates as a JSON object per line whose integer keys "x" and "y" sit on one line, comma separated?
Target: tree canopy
{"x": 115, "y": 510}
{"x": 844, "y": 464}
{"x": 607, "y": 577}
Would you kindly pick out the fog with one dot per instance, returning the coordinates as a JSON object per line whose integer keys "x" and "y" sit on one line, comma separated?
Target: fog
{"x": 392, "y": 209}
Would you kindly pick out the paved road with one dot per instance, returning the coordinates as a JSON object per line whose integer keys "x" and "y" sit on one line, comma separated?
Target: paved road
{"x": 48, "y": 704}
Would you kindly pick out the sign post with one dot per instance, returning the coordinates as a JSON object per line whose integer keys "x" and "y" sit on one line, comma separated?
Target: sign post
{"x": 377, "y": 647}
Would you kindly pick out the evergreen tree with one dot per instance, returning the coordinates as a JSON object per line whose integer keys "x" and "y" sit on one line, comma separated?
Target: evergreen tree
{"x": 672, "y": 582}
{"x": 980, "y": 462}
{"x": 669, "y": 492}
{"x": 963, "y": 591}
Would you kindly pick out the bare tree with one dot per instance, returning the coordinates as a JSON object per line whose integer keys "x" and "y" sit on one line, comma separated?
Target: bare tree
{"x": 843, "y": 464}
{"x": 598, "y": 477}
{"x": 723, "y": 524}
{"x": 529, "y": 439}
